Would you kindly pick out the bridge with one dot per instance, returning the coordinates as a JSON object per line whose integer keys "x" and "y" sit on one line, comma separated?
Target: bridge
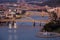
{"x": 27, "y": 19}
{"x": 22, "y": 20}
{"x": 35, "y": 13}
{"x": 27, "y": 7}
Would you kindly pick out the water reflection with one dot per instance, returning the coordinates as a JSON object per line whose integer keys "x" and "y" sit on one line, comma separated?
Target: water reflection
{"x": 15, "y": 37}
{"x": 12, "y": 32}
{"x": 22, "y": 32}
{"x": 10, "y": 37}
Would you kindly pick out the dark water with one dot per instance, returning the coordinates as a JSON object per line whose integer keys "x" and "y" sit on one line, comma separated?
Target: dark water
{"x": 22, "y": 32}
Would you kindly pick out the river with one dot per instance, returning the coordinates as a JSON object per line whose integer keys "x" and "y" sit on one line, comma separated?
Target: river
{"x": 23, "y": 31}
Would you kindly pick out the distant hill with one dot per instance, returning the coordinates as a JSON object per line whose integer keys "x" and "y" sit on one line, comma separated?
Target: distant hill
{"x": 52, "y": 3}
{"x": 3, "y": 1}
{"x": 34, "y": 0}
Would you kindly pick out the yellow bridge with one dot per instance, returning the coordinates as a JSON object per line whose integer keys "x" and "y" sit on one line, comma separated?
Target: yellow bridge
{"x": 24, "y": 20}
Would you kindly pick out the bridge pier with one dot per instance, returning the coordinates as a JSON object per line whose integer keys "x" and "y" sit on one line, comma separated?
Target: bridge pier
{"x": 12, "y": 24}
{"x": 34, "y": 24}
{"x": 15, "y": 26}
{"x": 39, "y": 24}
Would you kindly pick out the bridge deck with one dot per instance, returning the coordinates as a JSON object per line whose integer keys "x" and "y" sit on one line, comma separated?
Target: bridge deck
{"x": 22, "y": 20}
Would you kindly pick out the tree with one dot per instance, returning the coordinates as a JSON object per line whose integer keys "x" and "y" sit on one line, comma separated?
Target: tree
{"x": 54, "y": 24}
